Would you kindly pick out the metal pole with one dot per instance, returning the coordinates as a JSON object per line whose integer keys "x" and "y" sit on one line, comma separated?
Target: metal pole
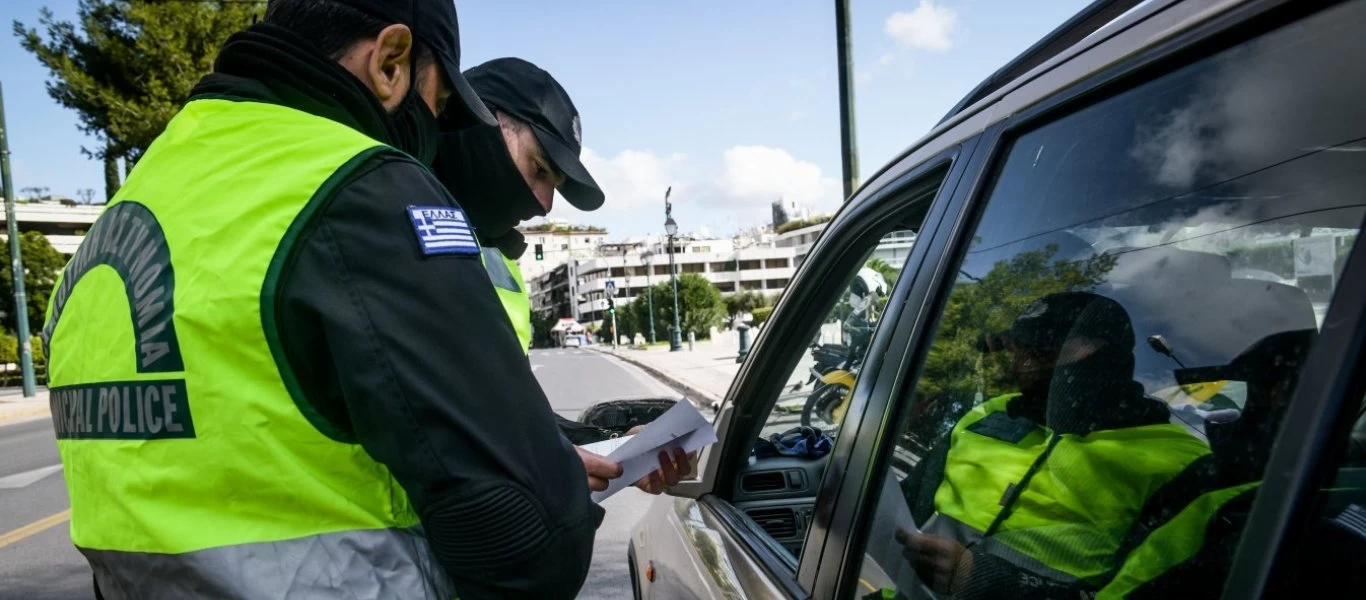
{"x": 650, "y": 296}
{"x": 675, "y": 339}
{"x": 844, "y": 50}
{"x": 16, "y": 260}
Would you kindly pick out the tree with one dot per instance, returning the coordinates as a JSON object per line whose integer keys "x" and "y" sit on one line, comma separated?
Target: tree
{"x": 42, "y": 264}
{"x": 744, "y": 302}
{"x": 130, "y": 65}
{"x": 700, "y": 305}
{"x": 954, "y": 366}
{"x": 87, "y": 195}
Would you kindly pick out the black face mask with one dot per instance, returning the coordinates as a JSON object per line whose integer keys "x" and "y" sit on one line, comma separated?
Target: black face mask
{"x": 475, "y": 165}
{"x": 415, "y": 128}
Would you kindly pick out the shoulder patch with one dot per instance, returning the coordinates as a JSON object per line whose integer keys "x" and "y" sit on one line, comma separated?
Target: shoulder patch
{"x": 443, "y": 230}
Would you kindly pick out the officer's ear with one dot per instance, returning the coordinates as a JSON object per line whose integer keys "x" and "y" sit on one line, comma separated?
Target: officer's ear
{"x": 389, "y": 65}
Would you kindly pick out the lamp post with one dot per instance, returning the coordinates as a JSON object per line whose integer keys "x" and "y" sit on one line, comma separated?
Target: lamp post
{"x": 16, "y": 262}
{"x": 671, "y": 229}
{"x": 649, "y": 291}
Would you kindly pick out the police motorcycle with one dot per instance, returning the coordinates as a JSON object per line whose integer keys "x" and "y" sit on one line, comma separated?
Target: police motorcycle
{"x": 837, "y": 365}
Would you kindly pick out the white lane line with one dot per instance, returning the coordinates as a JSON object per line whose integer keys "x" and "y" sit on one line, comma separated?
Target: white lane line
{"x": 534, "y": 367}
{"x": 27, "y": 478}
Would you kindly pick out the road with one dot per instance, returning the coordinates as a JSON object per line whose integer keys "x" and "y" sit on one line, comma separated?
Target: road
{"x": 42, "y": 565}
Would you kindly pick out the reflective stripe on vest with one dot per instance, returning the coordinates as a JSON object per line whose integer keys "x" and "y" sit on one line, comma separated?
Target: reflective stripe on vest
{"x": 400, "y": 566}
{"x": 178, "y": 431}
{"x": 1171, "y": 544}
{"x": 1081, "y": 497}
{"x": 507, "y": 281}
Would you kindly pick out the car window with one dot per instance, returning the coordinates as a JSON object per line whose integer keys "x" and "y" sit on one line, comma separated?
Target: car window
{"x": 787, "y": 461}
{"x": 1125, "y": 329}
{"x": 817, "y": 390}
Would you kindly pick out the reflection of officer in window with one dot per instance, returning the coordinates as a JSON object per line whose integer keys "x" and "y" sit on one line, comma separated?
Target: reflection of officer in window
{"x": 1039, "y": 487}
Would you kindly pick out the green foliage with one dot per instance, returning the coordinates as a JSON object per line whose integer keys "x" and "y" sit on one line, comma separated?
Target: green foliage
{"x": 561, "y": 228}
{"x": 42, "y": 265}
{"x": 761, "y": 315}
{"x": 800, "y": 223}
{"x": 700, "y": 308}
{"x": 541, "y": 324}
{"x": 126, "y": 66}
{"x": 744, "y": 302}
{"x": 9, "y": 349}
{"x": 954, "y": 367}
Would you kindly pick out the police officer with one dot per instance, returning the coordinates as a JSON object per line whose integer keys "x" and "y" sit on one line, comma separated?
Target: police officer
{"x": 258, "y": 368}
{"x": 1039, "y": 487}
{"x": 506, "y": 174}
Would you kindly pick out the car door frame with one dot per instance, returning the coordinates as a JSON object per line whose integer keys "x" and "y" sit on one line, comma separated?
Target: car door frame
{"x": 796, "y": 319}
{"x": 842, "y": 552}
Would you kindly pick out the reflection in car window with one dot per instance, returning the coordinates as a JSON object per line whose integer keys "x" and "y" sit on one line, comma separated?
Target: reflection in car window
{"x": 1126, "y": 329}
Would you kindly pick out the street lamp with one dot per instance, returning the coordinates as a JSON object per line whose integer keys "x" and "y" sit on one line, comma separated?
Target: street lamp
{"x": 649, "y": 290}
{"x": 671, "y": 229}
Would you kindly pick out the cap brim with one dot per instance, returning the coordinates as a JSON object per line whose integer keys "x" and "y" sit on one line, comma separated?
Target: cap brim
{"x": 464, "y": 109}
{"x": 578, "y": 188}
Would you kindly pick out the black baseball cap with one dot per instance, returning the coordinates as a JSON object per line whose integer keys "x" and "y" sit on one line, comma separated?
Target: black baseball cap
{"x": 435, "y": 25}
{"x": 530, "y": 94}
{"x": 1047, "y": 323}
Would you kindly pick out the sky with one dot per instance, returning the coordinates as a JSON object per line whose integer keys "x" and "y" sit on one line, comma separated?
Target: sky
{"x": 733, "y": 103}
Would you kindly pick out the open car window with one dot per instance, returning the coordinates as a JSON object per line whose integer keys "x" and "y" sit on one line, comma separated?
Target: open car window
{"x": 1113, "y": 361}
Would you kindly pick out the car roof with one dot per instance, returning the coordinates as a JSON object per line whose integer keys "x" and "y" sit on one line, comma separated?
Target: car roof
{"x": 1139, "y": 27}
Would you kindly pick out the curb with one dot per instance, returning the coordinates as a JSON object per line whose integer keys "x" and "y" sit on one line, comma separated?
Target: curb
{"x": 25, "y": 414}
{"x": 701, "y": 400}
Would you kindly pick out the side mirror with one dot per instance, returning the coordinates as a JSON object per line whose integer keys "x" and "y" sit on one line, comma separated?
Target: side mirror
{"x": 619, "y": 416}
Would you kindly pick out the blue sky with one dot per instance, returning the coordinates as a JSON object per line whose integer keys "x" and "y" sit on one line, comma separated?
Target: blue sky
{"x": 732, "y": 102}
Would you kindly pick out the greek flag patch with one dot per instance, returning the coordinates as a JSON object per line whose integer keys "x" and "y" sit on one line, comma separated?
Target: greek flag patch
{"x": 443, "y": 230}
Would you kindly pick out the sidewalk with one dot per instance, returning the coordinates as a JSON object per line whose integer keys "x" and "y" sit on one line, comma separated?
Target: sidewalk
{"x": 15, "y": 407}
{"x": 705, "y": 373}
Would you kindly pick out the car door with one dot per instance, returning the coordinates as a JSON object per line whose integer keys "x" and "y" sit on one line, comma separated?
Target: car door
{"x": 1124, "y": 384}
{"x": 754, "y": 516}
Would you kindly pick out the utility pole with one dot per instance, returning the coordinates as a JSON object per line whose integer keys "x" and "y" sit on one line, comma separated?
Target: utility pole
{"x": 16, "y": 261}
{"x": 844, "y": 50}
{"x": 671, "y": 230}
{"x": 649, "y": 290}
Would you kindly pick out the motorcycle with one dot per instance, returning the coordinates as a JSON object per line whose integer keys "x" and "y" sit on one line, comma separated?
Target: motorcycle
{"x": 837, "y": 366}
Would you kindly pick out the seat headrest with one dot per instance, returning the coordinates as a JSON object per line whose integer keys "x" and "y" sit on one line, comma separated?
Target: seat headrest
{"x": 1165, "y": 263}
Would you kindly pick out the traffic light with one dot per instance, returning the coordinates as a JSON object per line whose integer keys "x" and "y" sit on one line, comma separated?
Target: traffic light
{"x": 540, "y": 254}
{"x": 611, "y": 306}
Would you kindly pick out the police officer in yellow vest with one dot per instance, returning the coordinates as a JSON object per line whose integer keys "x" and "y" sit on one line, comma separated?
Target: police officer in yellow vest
{"x": 261, "y": 381}
{"x": 1038, "y": 488}
{"x": 507, "y": 174}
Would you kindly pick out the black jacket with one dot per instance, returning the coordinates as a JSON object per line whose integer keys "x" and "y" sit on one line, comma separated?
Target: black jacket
{"x": 412, "y": 356}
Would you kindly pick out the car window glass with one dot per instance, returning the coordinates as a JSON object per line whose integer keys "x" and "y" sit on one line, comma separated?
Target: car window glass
{"x": 778, "y": 489}
{"x": 1333, "y": 542}
{"x": 1125, "y": 330}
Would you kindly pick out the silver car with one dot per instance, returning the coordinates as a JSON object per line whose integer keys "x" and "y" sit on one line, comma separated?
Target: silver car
{"x": 1065, "y": 391}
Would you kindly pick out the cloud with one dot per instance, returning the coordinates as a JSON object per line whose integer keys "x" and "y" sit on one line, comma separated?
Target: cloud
{"x": 928, "y": 27}
{"x": 635, "y": 178}
{"x": 886, "y": 59}
{"x": 755, "y": 176}
{"x": 863, "y": 76}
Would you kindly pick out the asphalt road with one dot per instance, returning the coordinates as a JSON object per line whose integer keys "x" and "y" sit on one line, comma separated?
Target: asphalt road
{"x": 43, "y": 565}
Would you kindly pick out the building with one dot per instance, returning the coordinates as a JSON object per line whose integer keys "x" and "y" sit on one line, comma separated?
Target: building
{"x": 64, "y": 223}
{"x": 632, "y": 266}
{"x": 785, "y": 211}
{"x": 560, "y": 243}
{"x": 800, "y": 240}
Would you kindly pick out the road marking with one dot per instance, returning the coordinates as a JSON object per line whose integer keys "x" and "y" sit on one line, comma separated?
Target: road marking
{"x": 35, "y": 528}
{"x": 27, "y": 478}
{"x": 534, "y": 367}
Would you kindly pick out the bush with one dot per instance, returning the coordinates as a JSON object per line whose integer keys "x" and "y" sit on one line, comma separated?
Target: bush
{"x": 761, "y": 315}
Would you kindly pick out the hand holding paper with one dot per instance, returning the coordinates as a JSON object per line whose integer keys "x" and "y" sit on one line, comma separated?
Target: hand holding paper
{"x": 682, "y": 427}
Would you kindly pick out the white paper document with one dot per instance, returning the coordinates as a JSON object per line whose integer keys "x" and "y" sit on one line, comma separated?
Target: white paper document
{"x": 680, "y": 427}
